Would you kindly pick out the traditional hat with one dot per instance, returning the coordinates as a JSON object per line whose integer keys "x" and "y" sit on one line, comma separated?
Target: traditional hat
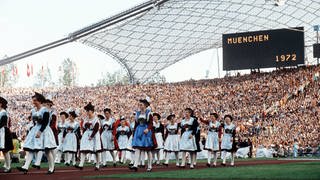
{"x": 89, "y": 107}
{"x": 39, "y": 97}
{"x": 145, "y": 102}
{"x": 171, "y": 116}
{"x": 64, "y": 113}
{"x": 158, "y": 115}
{"x": 228, "y": 116}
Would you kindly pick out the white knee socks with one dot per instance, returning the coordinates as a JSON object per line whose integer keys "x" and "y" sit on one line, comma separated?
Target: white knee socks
{"x": 7, "y": 160}
{"x": 50, "y": 158}
{"x": 137, "y": 156}
{"x": 38, "y": 155}
{"x": 177, "y": 158}
{"x": 29, "y": 158}
{"x": 215, "y": 157}
{"x": 82, "y": 159}
{"x": 209, "y": 157}
{"x": 232, "y": 159}
{"x": 149, "y": 159}
{"x": 98, "y": 157}
{"x": 58, "y": 157}
{"x": 183, "y": 159}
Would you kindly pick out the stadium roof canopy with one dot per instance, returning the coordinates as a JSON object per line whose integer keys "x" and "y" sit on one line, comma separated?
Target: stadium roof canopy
{"x": 158, "y": 33}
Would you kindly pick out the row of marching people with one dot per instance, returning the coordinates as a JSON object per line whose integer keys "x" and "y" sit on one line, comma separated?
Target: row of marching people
{"x": 98, "y": 135}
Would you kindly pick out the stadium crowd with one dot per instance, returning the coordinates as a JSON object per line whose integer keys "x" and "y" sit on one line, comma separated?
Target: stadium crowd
{"x": 271, "y": 110}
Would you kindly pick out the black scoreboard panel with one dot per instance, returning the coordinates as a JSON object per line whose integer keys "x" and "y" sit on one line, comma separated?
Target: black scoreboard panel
{"x": 316, "y": 50}
{"x": 263, "y": 49}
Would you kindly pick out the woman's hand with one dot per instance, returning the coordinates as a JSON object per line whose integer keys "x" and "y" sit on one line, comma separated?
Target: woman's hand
{"x": 146, "y": 131}
{"x": 190, "y": 136}
{"x": 38, "y": 134}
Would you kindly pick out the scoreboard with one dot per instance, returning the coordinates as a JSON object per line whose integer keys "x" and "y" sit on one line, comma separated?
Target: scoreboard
{"x": 263, "y": 49}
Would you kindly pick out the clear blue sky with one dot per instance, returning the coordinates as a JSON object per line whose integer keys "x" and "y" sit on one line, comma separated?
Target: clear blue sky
{"x": 25, "y": 24}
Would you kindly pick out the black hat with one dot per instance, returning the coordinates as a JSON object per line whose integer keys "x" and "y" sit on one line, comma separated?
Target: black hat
{"x": 100, "y": 116}
{"x": 190, "y": 110}
{"x": 89, "y": 107}
{"x": 64, "y": 113}
{"x": 171, "y": 116}
{"x": 216, "y": 115}
{"x": 145, "y": 102}
{"x": 158, "y": 115}
{"x": 107, "y": 110}
{"x": 39, "y": 97}
{"x": 228, "y": 116}
{"x": 73, "y": 114}
{"x": 3, "y": 103}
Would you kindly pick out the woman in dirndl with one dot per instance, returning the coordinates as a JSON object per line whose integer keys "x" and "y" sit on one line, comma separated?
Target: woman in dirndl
{"x": 212, "y": 141}
{"x": 61, "y": 129}
{"x": 6, "y": 143}
{"x": 40, "y": 138}
{"x": 129, "y": 148}
{"x": 144, "y": 138}
{"x": 123, "y": 133}
{"x": 107, "y": 137}
{"x": 90, "y": 141}
{"x": 70, "y": 139}
{"x": 228, "y": 143}
{"x": 159, "y": 134}
{"x": 172, "y": 138}
{"x": 189, "y": 127}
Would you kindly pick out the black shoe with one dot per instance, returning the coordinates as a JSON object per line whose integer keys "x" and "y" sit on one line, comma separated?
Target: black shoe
{"x": 78, "y": 167}
{"x": 25, "y": 171}
{"x": 114, "y": 164}
{"x": 35, "y": 166}
{"x": 96, "y": 169}
{"x": 223, "y": 164}
{"x": 50, "y": 172}
{"x": 188, "y": 164}
{"x": 133, "y": 168}
{"x": 191, "y": 167}
{"x": 67, "y": 164}
{"x": 182, "y": 167}
{"x": 208, "y": 165}
{"x": 149, "y": 169}
{"x": 130, "y": 165}
{"x": 165, "y": 164}
{"x": 7, "y": 171}
{"x": 104, "y": 166}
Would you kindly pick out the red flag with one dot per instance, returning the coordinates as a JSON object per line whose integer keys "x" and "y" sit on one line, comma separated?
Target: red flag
{"x": 13, "y": 71}
{"x": 16, "y": 70}
{"x": 3, "y": 71}
{"x": 28, "y": 70}
{"x": 31, "y": 69}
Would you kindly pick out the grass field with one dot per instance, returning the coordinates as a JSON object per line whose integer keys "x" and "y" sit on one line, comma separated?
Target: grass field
{"x": 302, "y": 170}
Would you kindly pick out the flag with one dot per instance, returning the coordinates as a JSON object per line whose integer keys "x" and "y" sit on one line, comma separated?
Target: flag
{"x": 13, "y": 71}
{"x": 28, "y": 70}
{"x": 31, "y": 69}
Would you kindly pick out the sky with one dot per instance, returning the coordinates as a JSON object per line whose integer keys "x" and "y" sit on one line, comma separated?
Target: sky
{"x": 28, "y": 24}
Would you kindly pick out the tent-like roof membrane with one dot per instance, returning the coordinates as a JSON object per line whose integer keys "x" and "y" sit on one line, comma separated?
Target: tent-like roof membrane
{"x": 167, "y": 31}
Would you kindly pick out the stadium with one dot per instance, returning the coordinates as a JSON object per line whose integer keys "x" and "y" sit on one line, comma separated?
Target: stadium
{"x": 258, "y": 118}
